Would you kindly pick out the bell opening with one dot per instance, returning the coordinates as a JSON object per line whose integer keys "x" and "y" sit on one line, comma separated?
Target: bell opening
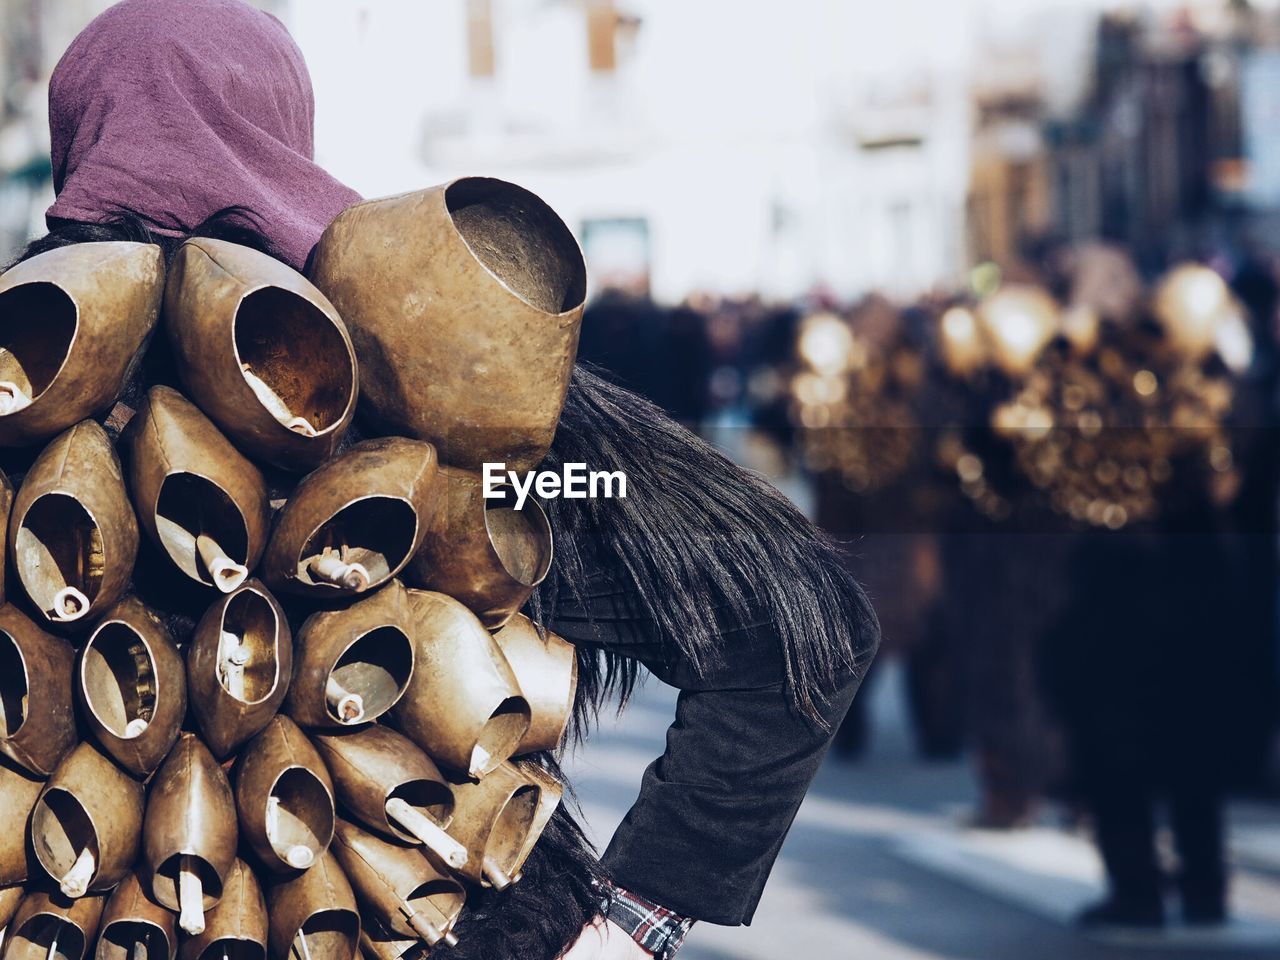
{"x": 511, "y": 829}
{"x": 370, "y": 676}
{"x": 167, "y": 875}
{"x": 47, "y": 937}
{"x": 375, "y": 533}
{"x": 119, "y": 939}
{"x": 233, "y": 948}
{"x": 13, "y": 687}
{"x": 521, "y": 540}
{"x": 443, "y": 895}
{"x": 200, "y": 525}
{"x": 330, "y": 934}
{"x": 300, "y": 817}
{"x": 119, "y": 677}
{"x": 37, "y": 327}
{"x": 59, "y": 548}
{"x": 520, "y": 240}
{"x": 294, "y": 359}
{"x": 501, "y": 735}
{"x": 428, "y": 797}
{"x": 61, "y": 831}
{"x": 248, "y": 661}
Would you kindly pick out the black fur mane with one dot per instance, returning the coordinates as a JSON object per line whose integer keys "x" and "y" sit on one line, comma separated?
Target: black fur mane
{"x": 694, "y": 531}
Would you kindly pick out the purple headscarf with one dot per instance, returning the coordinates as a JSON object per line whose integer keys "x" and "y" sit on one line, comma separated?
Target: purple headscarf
{"x": 176, "y": 109}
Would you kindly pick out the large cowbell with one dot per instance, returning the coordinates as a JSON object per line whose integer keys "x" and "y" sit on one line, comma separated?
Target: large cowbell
{"x": 197, "y": 497}
{"x": 73, "y": 535}
{"x": 73, "y": 322}
{"x": 464, "y": 302}
{"x": 261, "y": 351}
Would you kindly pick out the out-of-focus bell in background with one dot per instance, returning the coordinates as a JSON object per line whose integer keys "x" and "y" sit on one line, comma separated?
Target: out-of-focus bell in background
{"x": 989, "y": 287}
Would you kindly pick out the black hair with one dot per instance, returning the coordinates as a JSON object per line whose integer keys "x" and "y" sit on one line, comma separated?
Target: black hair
{"x": 234, "y": 224}
{"x": 696, "y": 531}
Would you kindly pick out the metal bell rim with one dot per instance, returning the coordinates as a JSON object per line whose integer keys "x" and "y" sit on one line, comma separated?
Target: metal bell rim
{"x": 401, "y": 685}
{"x": 251, "y": 586}
{"x": 75, "y": 333}
{"x": 204, "y": 579}
{"x": 170, "y": 945}
{"x": 21, "y": 568}
{"x": 392, "y": 793}
{"x": 544, "y": 533}
{"x": 557, "y": 225}
{"x": 167, "y": 870}
{"x": 84, "y": 664}
{"x": 392, "y": 569}
{"x": 353, "y": 368}
{"x": 322, "y": 842}
{"x": 7, "y": 642}
{"x": 42, "y": 810}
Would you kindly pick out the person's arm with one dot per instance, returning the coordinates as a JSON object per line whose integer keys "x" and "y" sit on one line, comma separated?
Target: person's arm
{"x": 714, "y": 809}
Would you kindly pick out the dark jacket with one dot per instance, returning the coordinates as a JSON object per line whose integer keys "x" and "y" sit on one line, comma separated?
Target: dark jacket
{"x": 714, "y": 809}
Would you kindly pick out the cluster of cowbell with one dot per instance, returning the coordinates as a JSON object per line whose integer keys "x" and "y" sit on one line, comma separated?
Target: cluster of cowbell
{"x": 252, "y": 790}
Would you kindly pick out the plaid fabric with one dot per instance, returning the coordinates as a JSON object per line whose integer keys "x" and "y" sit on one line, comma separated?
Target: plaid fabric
{"x": 658, "y": 930}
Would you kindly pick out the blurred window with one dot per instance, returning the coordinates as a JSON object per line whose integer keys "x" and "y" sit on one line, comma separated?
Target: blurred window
{"x": 480, "y": 38}
{"x": 602, "y": 36}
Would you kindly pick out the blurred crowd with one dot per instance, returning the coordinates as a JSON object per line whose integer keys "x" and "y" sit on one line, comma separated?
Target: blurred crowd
{"x": 1060, "y": 487}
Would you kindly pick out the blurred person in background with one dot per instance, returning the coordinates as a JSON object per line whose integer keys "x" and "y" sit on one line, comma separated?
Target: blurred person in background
{"x": 1001, "y": 561}
{"x": 1162, "y": 665}
{"x": 876, "y": 490}
{"x": 663, "y": 354}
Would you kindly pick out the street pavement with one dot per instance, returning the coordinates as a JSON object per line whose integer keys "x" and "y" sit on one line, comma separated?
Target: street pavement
{"x": 879, "y": 866}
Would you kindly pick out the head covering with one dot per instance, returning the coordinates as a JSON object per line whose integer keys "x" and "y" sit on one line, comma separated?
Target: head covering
{"x": 177, "y": 109}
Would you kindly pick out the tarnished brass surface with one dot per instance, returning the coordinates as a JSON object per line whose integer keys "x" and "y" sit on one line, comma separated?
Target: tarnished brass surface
{"x": 381, "y": 944}
{"x": 49, "y": 926}
{"x": 132, "y": 687}
{"x": 10, "y": 900}
{"x": 462, "y": 705}
{"x": 228, "y": 307}
{"x": 547, "y": 672}
{"x": 19, "y": 791}
{"x": 550, "y": 793}
{"x": 495, "y": 819}
{"x": 233, "y": 701}
{"x": 190, "y": 813}
{"x": 319, "y": 906}
{"x": 89, "y": 804}
{"x": 197, "y": 497}
{"x": 37, "y": 719}
{"x": 375, "y": 764}
{"x": 483, "y": 553}
{"x": 285, "y": 797}
{"x": 132, "y": 918}
{"x": 369, "y": 507}
{"x": 73, "y": 527}
{"x": 353, "y": 664}
{"x": 464, "y": 302}
{"x": 73, "y": 322}
{"x": 236, "y": 928}
{"x": 6, "y": 508}
{"x": 399, "y": 885}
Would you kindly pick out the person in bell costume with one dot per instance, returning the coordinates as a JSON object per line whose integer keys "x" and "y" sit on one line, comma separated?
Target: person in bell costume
{"x": 244, "y": 415}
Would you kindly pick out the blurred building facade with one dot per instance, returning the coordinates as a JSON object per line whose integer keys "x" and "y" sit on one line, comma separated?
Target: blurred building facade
{"x": 693, "y": 148}
{"x": 821, "y": 147}
{"x": 1170, "y": 146}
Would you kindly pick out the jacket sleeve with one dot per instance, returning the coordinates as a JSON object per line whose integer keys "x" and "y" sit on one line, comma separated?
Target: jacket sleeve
{"x": 714, "y": 809}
